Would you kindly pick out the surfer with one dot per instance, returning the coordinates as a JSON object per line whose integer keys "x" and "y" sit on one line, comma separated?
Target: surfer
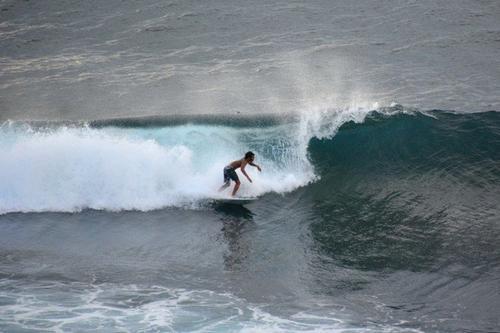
{"x": 230, "y": 171}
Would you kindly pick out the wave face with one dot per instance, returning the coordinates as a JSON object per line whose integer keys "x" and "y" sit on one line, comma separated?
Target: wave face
{"x": 409, "y": 192}
{"x": 462, "y": 150}
{"x": 120, "y": 165}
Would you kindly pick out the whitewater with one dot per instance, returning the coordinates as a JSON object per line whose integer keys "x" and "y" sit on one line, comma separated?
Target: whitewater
{"x": 65, "y": 168}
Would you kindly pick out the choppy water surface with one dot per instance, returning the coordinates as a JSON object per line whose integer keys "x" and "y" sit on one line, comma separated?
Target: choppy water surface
{"x": 101, "y": 59}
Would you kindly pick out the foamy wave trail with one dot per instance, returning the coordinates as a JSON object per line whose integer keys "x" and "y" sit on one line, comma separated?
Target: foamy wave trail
{"x": 77, "y": 307}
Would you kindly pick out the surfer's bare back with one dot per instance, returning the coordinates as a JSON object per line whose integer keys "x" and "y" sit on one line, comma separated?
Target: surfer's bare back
{"x": 230, "y": 171}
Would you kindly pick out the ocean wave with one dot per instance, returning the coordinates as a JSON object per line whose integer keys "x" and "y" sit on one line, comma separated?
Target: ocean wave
{"x": 143, "y": 164}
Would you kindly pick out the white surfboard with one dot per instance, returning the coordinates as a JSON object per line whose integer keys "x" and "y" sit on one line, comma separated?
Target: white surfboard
{"x": 235, "y": 200}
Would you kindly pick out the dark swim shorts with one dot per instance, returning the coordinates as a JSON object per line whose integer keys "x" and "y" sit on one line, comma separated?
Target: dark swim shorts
{"x": 229, "y": 174}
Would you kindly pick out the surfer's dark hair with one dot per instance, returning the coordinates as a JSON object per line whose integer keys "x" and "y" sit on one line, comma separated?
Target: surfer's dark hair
{"x": 249, "y": 154}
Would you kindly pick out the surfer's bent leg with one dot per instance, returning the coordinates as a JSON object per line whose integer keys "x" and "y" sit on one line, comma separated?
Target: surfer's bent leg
{"x": 226, "y": 185}
{"x": 236, "y": 187}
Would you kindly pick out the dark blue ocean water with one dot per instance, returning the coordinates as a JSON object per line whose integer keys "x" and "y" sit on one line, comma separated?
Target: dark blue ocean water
{"x": 376, "y": 125}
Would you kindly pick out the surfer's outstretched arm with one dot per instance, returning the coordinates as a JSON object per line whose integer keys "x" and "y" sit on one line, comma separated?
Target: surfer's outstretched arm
{"x": 255, "y": 165}
{"x": 244, "y": 172}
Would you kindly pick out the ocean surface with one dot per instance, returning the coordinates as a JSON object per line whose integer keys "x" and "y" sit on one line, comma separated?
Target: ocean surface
{"x": 376, "y": 124}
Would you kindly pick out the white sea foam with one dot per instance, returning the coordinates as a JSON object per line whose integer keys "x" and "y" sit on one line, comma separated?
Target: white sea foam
{"x": 69, "y": 169}
{"x": 77, "y": 307}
